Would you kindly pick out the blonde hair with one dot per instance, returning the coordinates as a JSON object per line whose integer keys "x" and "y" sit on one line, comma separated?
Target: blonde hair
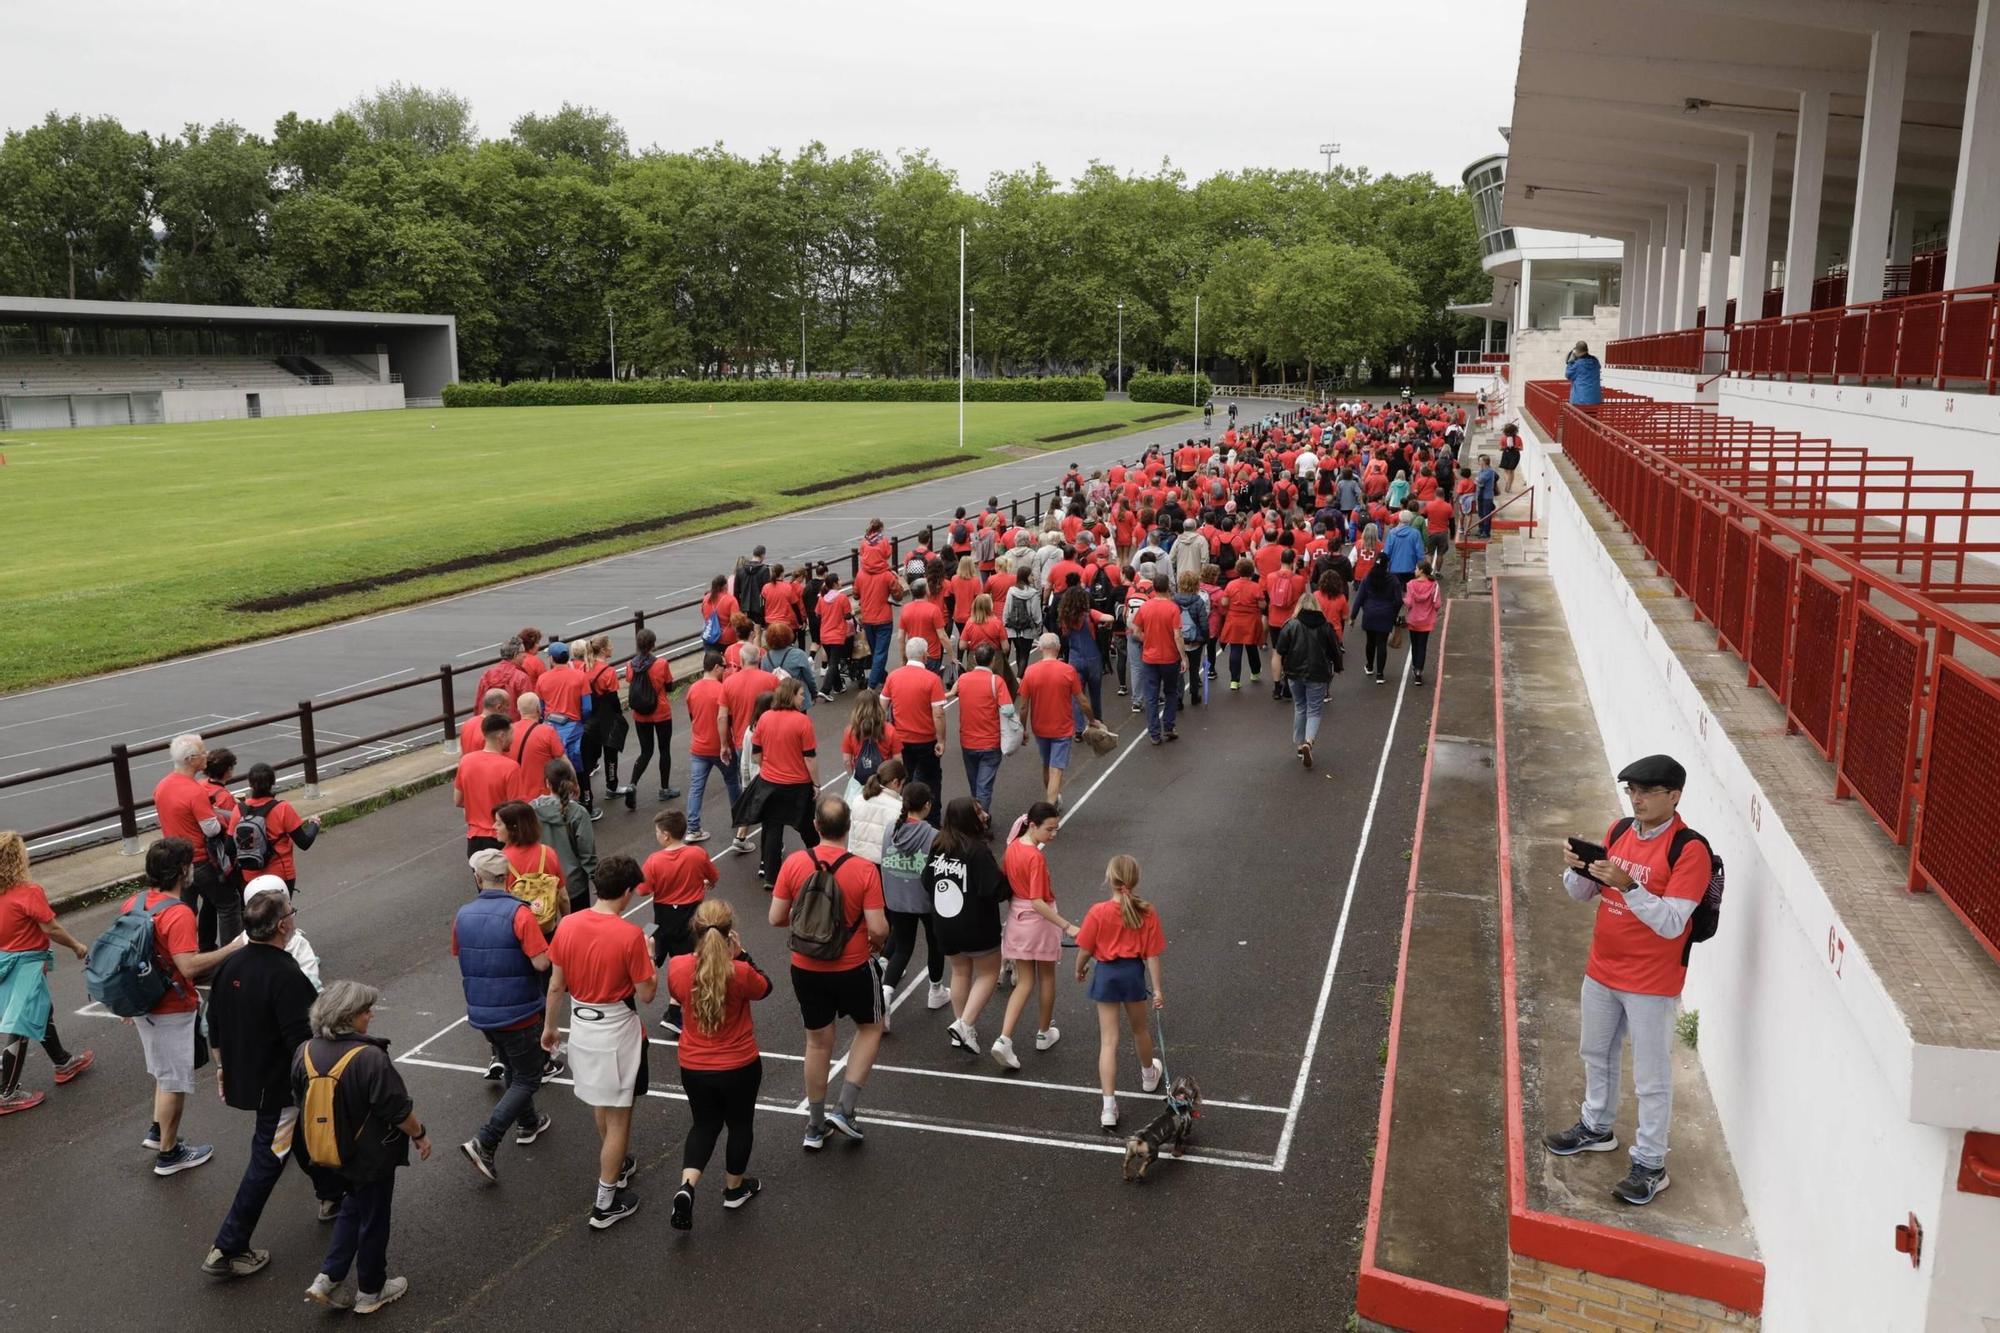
{"x": 599, "y": 648}
{"x": 1123, "y": 872}
{"x": 966, "y": 570}
{"x": 1004, "y": 565}
{"x": 714, "y": 963}
{"x": 868, "y": 722}
{"x": 982, "y": 609}
{"x": 788, "y": 694}
{"x": 13, "y": 861}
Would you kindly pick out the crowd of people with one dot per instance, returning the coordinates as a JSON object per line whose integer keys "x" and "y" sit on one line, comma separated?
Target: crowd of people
{"x": 1156, "y": 576}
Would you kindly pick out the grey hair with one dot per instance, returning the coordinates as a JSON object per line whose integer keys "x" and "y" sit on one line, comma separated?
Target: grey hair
{"x": 750, "y": 654}
{"x": 185, "y": 748}
{"x": 1049, "y": 644}
{"x": 915, "y": 649}
{"x": 333, "y": 1012}
{"x": 528, "y": 702}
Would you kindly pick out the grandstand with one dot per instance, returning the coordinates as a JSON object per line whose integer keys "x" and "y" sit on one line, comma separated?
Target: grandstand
{"x": 96, "y": 363}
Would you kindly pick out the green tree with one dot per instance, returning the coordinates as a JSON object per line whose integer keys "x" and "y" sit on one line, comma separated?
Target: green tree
{"x": 582, "y": 133}
{"x": 1329, "y": 304}
{"x": 213, "y": 198}
{"x": 74, "y": 209}
{"x": 428, "y": 123}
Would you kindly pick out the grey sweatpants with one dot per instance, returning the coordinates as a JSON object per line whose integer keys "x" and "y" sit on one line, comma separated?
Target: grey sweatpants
{"x": 1608, "y": 1015}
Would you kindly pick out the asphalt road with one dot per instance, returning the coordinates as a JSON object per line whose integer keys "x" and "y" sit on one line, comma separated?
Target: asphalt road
{"x": 980, "y": 1199}
{"x": 61, "y": 724}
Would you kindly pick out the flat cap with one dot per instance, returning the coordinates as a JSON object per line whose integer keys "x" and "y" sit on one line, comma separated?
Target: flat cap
{"x": 1656, "y": 770}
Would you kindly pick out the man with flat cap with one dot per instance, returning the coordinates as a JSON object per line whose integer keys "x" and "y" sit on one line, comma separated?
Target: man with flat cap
{"x": 1652, "y": 876}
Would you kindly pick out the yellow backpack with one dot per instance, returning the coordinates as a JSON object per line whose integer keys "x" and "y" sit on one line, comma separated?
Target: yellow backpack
{"x": 541, "y": 891}
{"x": 322, "y": 1141}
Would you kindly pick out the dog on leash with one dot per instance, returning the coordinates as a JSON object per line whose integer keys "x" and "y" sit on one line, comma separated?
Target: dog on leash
{"x": 1170, "y": 1129}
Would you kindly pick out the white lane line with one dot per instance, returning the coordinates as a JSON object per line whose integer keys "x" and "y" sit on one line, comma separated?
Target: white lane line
{"x": 204, "y": 718}
{"x": 414, "y": 1051}
{"x": 595, "y": 616}
{"x": 897, "y": 1120}
{"x": 482, "y": 648}
{"x": 1091, "y": 790}
{"x": 387, "y": 675}
{"x": 57, "y": 717}
{"x": 1056, "y": 1087}
{"x": 1340, "y": 930}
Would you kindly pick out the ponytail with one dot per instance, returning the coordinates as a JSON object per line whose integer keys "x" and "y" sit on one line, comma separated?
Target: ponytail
{"x": 1123, "y": 872}
{"x": 715, "y": 962}
{"x": 916, "y": 796}
{"x": 888, "y": 771}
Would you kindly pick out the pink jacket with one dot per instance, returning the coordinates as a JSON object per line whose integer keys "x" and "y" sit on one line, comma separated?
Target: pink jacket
{"x": 1420, "y": 604}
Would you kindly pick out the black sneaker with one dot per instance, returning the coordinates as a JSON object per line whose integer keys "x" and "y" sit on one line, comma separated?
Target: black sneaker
{"x": 152, "y": 1139}
{"x": 481, "y": 1158}
{"x": 626, "y": 1170}
{"x": 1642, "y": 1185}
{"x": 742, "y": 1194}
{"x": 670, "y": 793}
{"x": 683, "y": 1214}
{"x": 1580, "y": 1138}
{"x": 527, "y": 1134}
{"x": 631, "y": 798}
{"x": 495, "y": 1071}
{"x": 555, "y": 1068}
{"x": 623, "y": 1205}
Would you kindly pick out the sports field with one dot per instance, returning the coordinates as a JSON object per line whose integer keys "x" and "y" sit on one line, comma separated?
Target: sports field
{"x": 132, "y": 544}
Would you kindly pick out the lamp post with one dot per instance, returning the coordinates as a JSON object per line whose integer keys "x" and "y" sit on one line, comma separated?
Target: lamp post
{"x": 802, "y": 341}
{"x": 612, "y": 315}
{"x": 1196, "y": 377}
{"x": 1329, "y": 151}
{"x": 972, "y": 339}
{"x": 1121, "y": 347}
{"x": 961, "y": 337}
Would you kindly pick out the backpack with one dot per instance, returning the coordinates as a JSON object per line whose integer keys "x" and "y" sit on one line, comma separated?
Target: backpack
{"x": 711, "y": 630}
{"x": 984, "y": 546}
{"x": 643, "y": 695}
{"x": 541, "y": 891}
{"x": 252, "y": 836}
{"x": 1102, "y": 594}
{"x": 316, "y": 1113}
{"x": 122, "y": 971}
{"x": 1021, "y": 617}
{"x": 961, "y": 536}
{"x": 820, "y": 927}
{"x": 866, "y": 761}
{"x": 1708, "y": 912}
{"x": 1194, "y": 631}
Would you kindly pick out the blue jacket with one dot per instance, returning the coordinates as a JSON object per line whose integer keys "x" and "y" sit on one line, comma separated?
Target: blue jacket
{"x": 501, "y": 988}
{"x": 1377, "y": 612}
{"x": 1586, "y": 381}
{"x": 1403, "y": 548}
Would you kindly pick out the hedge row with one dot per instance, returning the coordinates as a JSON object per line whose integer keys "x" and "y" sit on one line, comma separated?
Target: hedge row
{"x": 1147, "y": 387}
{"x": 575, "y": 393}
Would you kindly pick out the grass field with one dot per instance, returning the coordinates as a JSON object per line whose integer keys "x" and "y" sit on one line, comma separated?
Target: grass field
{"x": 129, "y": 544}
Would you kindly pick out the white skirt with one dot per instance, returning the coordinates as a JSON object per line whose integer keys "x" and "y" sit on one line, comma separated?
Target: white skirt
{"x": 607, "y": 1052}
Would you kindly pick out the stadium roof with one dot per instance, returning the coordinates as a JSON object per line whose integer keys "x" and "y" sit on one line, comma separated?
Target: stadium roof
{"x": 167, "y": 312}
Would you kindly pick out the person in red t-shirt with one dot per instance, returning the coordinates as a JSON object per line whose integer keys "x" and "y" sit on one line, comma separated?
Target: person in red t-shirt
{"x": 470, "y": 737}
{"x": 981, "y": 696}
{"x": 1054, "y": 693}
{"x": 284, "y": 830}
{"x": 1654, "y": 874}
{"x": 835, "y": 611}
{"x": 1033, "y": 934}
{"x": 487, "y": 779}
{"x": 924, "y": 619}
{"x": 914, "y": 695}
{"x": 185, "y": 805}
{"x": 1121, "y": 942}
{"x": 1157, "y": 625}
{"x": 598, "y": 959}
{"x": 28, "y": 925}
{"x": 788, "y": 775}
{"x": 709, "y": 747}
{"x": 721, "y": 604}
{"x": 506, "y": 674}
{"x": 534, "y": 744}
{"x": 876, "y": 590}
{"x": 721, "y": 1067}
{"x": 830, "y": 988}
{"x": 678, "y": 877}
{"x": 1242, "y": 607}
{"x": 784, "y": 600}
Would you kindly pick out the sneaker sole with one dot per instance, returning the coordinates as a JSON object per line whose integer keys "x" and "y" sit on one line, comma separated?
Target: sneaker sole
{"x": 523, "y": 1140}
{"x": 1607, "y": 1145}
{"x": 1658, "y": 1189}
{"x": 179, "y": 1167}
{"x": 480, "y": 1164}
{"x": 606, "y": 1223}
{"x": 682, "y": 1218}
{"x": 739, "y": 1200}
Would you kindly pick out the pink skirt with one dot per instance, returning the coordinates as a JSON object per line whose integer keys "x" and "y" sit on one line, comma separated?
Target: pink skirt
{"x": 1026, "y": 936}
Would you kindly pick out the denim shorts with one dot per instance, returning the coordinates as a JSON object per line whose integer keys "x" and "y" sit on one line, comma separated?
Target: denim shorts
{"x": 1118, "y": 981}
{"x": 1055, "y": 752}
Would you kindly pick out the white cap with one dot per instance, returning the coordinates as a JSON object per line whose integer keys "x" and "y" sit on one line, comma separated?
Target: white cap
{"x": 263, "y": 884}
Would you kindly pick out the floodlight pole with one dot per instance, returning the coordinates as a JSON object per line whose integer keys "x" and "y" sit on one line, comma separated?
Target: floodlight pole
{"x": 961, "y": 337}
{"x": 802, "y": 340}
{"x": 612, "y": 315}
{"x": 1121, "y": 347}
{"x": 1196, "y": 377}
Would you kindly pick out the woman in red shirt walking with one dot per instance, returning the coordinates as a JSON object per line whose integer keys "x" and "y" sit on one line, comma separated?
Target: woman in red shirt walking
{"x": 1122, "y": 935}
{"x": 1033, "y": 932}
{"x": 721, "y": 1067}
{"x": 1243, "y": 622}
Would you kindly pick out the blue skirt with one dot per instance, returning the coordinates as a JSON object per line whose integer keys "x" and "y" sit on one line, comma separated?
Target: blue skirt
{"x": 24, "y": 993}
{"x": 1119, "y": 981}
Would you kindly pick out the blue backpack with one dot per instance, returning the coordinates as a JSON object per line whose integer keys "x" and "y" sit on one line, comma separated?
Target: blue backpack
{"x": 711, "y": 630}
{"x": 122, "y": 970}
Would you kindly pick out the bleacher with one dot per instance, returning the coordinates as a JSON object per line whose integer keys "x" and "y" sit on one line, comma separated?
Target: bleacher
{"x": 123, "y": 374}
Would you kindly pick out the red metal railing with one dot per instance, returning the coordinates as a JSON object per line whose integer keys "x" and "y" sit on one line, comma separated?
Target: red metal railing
{"x": 1679, "y": 350}
{"x": 1848, "y": 583}
{"x": 1931, "y": 339}
{"x": 308, "y": 720}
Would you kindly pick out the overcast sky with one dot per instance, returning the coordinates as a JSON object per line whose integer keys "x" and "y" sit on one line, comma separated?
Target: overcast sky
{"x": 1407, "y": 85}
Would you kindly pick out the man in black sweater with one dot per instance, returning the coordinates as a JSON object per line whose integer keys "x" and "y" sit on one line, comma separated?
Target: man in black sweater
{"x": 257, "y": 1017}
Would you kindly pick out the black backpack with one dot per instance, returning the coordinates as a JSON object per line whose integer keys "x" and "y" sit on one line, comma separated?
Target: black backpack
{"x": 252, "y": 836}
{"x": 820, "y": 928}
{"x": 1708, "y": 912}
{"x": 642, "y": 694}
{"x": 1103, "y": 596}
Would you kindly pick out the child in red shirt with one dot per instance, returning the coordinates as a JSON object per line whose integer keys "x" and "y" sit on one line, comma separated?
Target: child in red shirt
{"x": 1122, "y": 935}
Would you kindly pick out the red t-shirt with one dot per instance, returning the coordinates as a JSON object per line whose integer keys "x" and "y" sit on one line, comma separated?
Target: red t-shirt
{"x": 488, "y": 781}
{"x": 24, "y": 910}
{"x": 888, "y": 745}
{"x": 1027, "y": 872}
{"x": 1104, "y": 935}
{"x": 998, "y": 586}
{"x": 1437, "y": 515}
{"x": 183, "y": 803}
{"x": 739, "y": 695}
{"x": 281, "y": 821}
{"x": 662, "y": 676}
{"x": 603, "y": 956}
{"x": 1625, "y": 953}
{"x": 834, "y": 611}
{"x": 562, "y": 689}
{"x": 785, "y": 740}
{"x": 873, "y": 588}
{"x": 733, "y": 1044}
{"x": 534, "y": 745}
{"x": 963, "y": 593}
{"x": 679, "y": 875}
{"x": 725, "y": 608}
{"x": 782, "y": 603}
{"x": 1159, "y": 625}
{"x": 1283, "y": 590}
{"x": 532, "y": 667}
{"x": 173, "y": 932}
{"x": 1059, "y": 573}
{"x": 860, "y": 889}
{"x": 703, "y": 698}
{"x": 508, "y": 677}
{"x": 990, "y": 630}
{"x": 1048, "y": 685}
{"x": 472, "y": 734}
{"x": 923, "y": 619}
{"x": 910, "y": 691}
{"x": 539, "y": 859}
{"x": 980, "y": 695}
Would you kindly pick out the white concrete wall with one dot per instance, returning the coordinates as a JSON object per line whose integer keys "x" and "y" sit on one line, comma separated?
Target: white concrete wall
{"x": 1803, "y": 1057}
{"x": 288, "y": 401}
{"x": 1667, "y": 386}
{"x": 1540, "y": 354}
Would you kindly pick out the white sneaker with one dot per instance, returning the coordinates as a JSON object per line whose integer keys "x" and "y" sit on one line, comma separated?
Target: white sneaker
{"x": 1149, "y": 1077}
{"x": 964, "y": 1034}
{"x": 1007, "y": 974}
{"x": 1108, "y": 1116}
{"x": 369, "y": 1302}
{"x": 888, "y": 999}
{"x": 1003, "y": 1053}
{"x": 939, "y": 997}
{"x": 324, "y": 1291}
{"x": 1048, "y": 1037}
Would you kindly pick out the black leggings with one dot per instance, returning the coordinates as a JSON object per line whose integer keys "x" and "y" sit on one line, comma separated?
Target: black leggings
{"x": 1376, "y": 662}
{"x": 15, "y": 1056}
{"x": 593, "y": 751}
{"x": 651, "y": 734}
{"x": 903, "y": 947}
{"x": 719, "y": 1097}
{"x": 1420, "y": 642}
{"x": 771, "y": 845}
{"x": 1194, "y": 676}
{"x": 1236, "y": 651}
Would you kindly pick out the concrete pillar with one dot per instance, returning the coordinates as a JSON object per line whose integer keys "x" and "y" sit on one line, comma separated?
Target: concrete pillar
{"x": 1697, "y": 215}
{"x": 1486, "y": 337}
{"x": 1808, "y": 179}
{"x": 1642, "y": 291}
{"x": 1719, "y": 249}
{"x": 1755, "y": 269}
{"x": 1875, "y": 186}
{"x": 1670, "y": 270}
{"x": 1975, "y": 204}
{"x": 1522, "y": 312}
{"x": 1628, "y": 272}
{"x": 1903, "y": 233}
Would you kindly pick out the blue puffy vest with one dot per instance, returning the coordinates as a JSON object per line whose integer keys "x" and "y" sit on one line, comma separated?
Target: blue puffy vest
{"x": 501, "y": 986}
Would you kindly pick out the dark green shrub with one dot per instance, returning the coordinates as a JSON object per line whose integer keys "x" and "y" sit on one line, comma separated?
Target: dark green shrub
{"x": 1147, "y": 387}
{"x": 576, "y": 393}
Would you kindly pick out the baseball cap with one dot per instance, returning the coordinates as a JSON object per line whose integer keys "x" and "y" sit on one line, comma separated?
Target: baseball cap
{"x": 489, "y": 862}
{"x": 263, "y": 884}
{"x": 558, "y": 651}
{"x": 1655, "y": 770}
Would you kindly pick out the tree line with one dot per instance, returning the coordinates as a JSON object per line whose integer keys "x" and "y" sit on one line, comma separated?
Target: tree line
{"x": 711, "y": 263}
